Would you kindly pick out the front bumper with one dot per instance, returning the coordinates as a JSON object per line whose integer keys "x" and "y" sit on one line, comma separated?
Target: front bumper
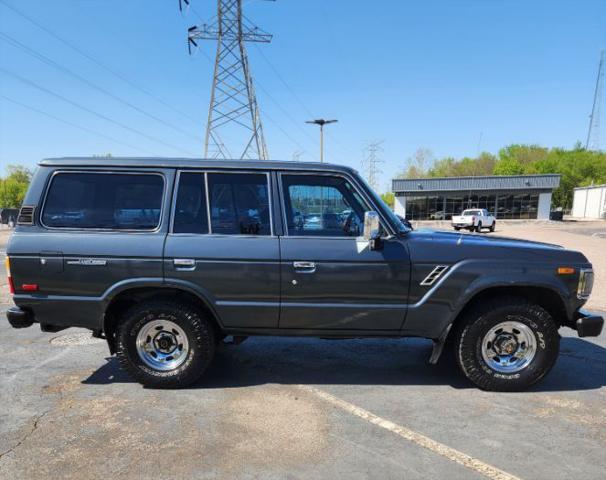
{"x": 19, "y": 318}
{"x": 588, "y": 324}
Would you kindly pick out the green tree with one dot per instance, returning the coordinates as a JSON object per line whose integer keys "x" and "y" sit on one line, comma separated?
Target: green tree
{"x": 14, "y": 186}
{"x": 508, "y": 166}
{"x": 389, "y": 199}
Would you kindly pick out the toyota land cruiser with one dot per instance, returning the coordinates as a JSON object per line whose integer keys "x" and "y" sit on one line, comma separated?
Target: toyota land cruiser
{"x": 164, "y": 258}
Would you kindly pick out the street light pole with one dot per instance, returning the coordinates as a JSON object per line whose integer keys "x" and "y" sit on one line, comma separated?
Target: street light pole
{"x": 321, "y": 122}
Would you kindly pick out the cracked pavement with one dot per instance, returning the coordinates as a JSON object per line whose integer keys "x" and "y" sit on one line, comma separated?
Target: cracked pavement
{"x": 67, "y": 411}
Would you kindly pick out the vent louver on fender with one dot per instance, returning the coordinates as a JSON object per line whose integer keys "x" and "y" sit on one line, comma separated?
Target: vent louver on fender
{"x": 434, "y": 275}
{"x": 26, "y": 216}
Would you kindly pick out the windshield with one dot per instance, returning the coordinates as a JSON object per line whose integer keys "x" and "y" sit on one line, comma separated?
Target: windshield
{"x": 393, "y": 218}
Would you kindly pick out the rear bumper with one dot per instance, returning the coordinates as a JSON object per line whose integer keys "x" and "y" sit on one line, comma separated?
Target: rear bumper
{"x": 588, "y": 324}
{"x": 19, "y": 318}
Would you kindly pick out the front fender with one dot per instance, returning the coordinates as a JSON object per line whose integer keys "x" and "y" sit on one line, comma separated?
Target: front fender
{"x": 437, "y": 307}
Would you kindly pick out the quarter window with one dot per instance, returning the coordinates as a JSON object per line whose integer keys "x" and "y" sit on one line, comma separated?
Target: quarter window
{"x": 191, "y": 214}
{"x": 239, "y": 204}
{"x": 104, "y": 201}
{"x": 318, "y": 205}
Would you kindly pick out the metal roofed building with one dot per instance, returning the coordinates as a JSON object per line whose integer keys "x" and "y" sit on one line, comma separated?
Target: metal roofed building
{"x": 589, "y": 202}
{"x": 505, "y": 197}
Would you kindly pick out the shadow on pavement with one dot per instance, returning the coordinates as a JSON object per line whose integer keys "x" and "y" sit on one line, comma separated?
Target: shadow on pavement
{"x": 262, "y": 360}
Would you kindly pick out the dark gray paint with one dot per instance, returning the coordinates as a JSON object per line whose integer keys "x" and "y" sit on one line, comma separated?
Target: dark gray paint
{"x": 247, "y": 281}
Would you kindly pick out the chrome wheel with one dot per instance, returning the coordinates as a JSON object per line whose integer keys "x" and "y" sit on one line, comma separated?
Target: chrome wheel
{"x": 162, "y": 345}
{"x": 509, "y": 347}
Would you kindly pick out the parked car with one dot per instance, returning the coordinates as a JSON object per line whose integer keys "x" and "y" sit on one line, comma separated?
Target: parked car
{"x": 8, "y": 214}
{"x": 474, "y": 220}
{"x": 211, "y": 249}
{"x": 439, "y": 215}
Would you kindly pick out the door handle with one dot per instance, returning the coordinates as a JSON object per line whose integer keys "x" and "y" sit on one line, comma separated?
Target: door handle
{"x": 304, "y": 267}
{"x": 184, "y": 263}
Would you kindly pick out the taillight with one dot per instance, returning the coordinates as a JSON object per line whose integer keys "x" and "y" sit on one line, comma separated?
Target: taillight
{"x": 11, "y": 286}
{"x": 473, "y": 219}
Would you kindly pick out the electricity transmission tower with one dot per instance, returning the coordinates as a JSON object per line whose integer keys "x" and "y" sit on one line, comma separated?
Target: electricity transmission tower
{"x": 371, "y": 163}
{"x": 234, "y": 128}
{"x": 593, "y": 135}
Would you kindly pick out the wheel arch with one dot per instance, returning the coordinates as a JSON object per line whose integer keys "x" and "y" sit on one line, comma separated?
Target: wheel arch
{"x": 546, "y": 297}
{"x": 128, "y": 297}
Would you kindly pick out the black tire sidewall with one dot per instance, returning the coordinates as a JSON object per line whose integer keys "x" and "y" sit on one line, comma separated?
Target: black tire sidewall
{"x": 469, "y": 351}
{"x": 199, "y": 335}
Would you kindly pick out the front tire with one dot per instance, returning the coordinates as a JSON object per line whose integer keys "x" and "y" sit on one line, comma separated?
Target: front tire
{"x": 165, "y": 344}
{"x": 506, "y": 345}
{"x": 493, "y": 227}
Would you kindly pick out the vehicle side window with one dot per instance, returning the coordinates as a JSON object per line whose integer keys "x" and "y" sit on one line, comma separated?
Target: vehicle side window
{"x": 191, "y": 214}
{"x": 239, "y": 203}
{"x": 119, "y": 201}
{"x": 320, "y": 205}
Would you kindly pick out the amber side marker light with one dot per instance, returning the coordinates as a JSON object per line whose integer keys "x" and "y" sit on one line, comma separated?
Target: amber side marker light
{"x": 11, "y": 286}
{"x": 565, "y": 271}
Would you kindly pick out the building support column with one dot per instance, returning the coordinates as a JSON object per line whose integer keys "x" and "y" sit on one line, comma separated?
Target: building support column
{"x": 544, "y": 208}
{"x": 400, "y": 206}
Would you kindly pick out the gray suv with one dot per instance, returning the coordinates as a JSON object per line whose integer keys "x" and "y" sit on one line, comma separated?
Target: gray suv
{"x": 165, "y": 258}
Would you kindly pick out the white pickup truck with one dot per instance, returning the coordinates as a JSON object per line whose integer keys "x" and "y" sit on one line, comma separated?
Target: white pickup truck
{"x": 474, "y": 220}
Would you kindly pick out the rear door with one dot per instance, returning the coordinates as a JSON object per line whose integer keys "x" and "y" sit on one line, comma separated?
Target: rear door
{"x": 222, "y": 245}
{"x": 331, "y": 280}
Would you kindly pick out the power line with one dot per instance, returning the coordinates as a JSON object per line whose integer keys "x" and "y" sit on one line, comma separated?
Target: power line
{"x": 80, "y": 127}
{"x": 17, "y": 44}
{"x": 114, "y": 72}
{"x": 298, "y": 100}
{"x": 92, "y": 112}
{"x": 285, "y": 83}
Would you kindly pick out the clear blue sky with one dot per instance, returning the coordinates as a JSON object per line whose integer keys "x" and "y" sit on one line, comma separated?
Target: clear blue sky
{"x": 433, "y": 74}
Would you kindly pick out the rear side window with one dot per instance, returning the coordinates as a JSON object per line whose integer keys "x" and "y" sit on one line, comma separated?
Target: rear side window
{"x": 239, "y": 203}
{"x": 118, "y": 201}
{"x": 191, "y": 213}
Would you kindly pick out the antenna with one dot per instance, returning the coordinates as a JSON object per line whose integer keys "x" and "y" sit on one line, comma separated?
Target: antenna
{"x": 233, "y": 115}
{"x": 593, "y": 135}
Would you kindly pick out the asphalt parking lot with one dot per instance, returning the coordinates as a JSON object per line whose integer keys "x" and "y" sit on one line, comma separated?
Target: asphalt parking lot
{"x": 303, "y": 408}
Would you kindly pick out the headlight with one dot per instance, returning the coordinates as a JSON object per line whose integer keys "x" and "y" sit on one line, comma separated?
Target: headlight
{"x": 585, "y": 283}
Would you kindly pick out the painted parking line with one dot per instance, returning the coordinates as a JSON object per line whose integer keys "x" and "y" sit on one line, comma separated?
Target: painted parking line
{"x": 599, "y": 234}
{"x": 419, "y": 439}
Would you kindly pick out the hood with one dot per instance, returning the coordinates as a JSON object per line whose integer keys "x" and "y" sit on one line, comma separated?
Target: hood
{"x": 452, "y": 247}
{"x": 487, "y": 239}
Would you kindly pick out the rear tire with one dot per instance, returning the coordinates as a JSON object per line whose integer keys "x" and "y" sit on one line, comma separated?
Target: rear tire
{"x": 457, "y": 228}
{"x": 165, "y": 344}
{"x": 484, "y": 341}
{"x": 479, "y": 227}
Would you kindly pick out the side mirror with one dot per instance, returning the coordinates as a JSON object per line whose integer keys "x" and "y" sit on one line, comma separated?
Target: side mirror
{"x": 372, "y": 230}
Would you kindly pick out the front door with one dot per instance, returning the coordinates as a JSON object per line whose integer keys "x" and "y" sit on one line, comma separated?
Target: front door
{"x": 331, "y": 279}
{"x": 222, "y": 245}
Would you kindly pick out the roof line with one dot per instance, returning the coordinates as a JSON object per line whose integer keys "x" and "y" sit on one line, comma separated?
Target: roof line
{"x": 587, "y": 187}
{"x": 480, "y": 177}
